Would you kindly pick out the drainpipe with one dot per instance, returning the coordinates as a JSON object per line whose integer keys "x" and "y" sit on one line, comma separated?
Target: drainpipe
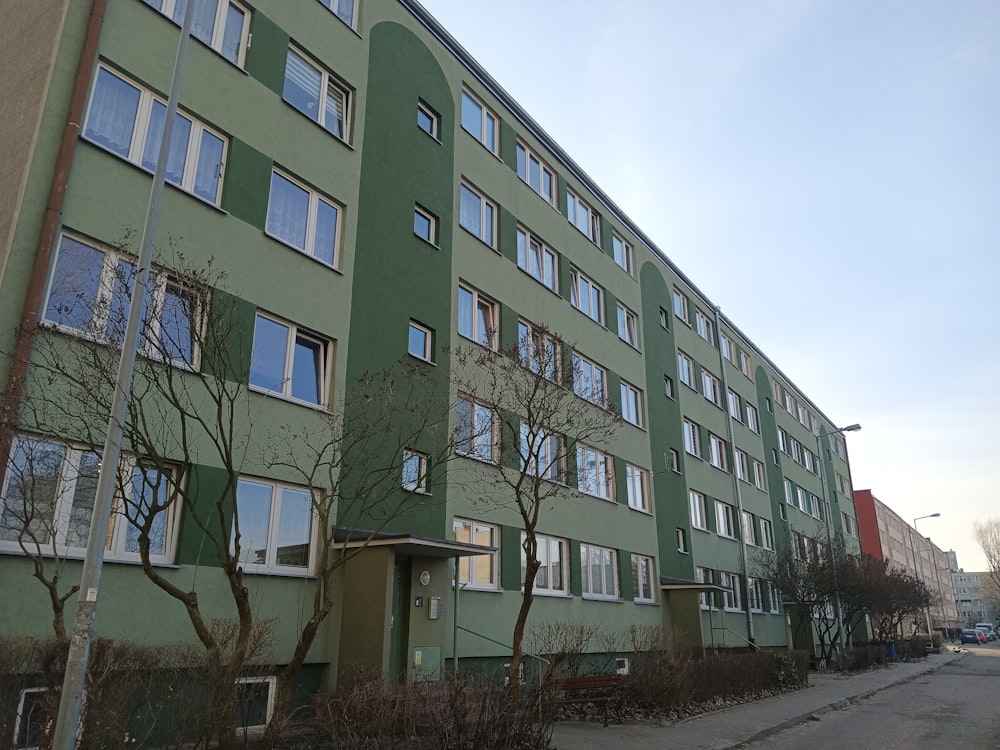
{"x": 736, "y": 481}
{"x": 50, "y": 228}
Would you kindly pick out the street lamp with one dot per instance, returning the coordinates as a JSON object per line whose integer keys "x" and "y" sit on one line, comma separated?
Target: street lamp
{"x": 919, "y": 568}
{"x": 829, "y": 523}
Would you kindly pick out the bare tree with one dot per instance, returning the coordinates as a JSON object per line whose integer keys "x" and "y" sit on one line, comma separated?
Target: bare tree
{"x": 988, "y": 537}
{"x": 544, "y": 408}
{"x": 192, "y": 406}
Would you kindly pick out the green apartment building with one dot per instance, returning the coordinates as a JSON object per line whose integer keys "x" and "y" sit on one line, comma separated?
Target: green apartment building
{"x": 370, "y": 194}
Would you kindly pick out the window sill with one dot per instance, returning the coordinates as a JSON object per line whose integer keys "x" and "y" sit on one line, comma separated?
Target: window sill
{"x": 322, "y": 408}
{"x": 645, "y": 602}
{"x": 551, "y": 594}
{"x": 420, "y": 359}
{"x": 79, "y": 557}
{"x": 604, "y": 599}
{"x": 701, "y": 528}
{"x": 427, "y": 241}
{"x": 417, "y": 491}
{"x": 466, "y": 588}
{"x": 641, "y": 510}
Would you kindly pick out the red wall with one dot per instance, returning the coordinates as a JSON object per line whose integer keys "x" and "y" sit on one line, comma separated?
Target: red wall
{"x": 864, "y": 507}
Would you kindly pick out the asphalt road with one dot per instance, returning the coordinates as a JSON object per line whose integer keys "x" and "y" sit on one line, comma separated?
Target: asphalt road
{"x": 957, "y": 707}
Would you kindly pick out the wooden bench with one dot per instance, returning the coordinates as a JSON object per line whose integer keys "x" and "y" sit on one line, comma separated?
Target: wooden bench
{"x": 573, "y": 689}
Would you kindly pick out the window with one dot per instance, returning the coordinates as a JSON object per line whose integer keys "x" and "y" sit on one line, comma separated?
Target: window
{"x": 803, "y": 500}
{"x": 274, "y": 522}
{"x": 343, "y": 9}
{"x": 766, "y": 534}
{"x": 595, "y": 472}
{"x": 724, "y": 521}
{"x": 478, "y": 317}
{"x": 419, "y": 341}
{"x": 628, "y": 326}
{"x": 742, "y": 462}
{"x": 664, "y": 320}
{"x": 304, "y": 219}
{"x": 803, "y": 416}
{"x": 682, "y": 545}
{"x": 748, "y": 528}
{"x": 668, "y": 386}
{"x": 642, "y": 578}
{"x": 551, "y": 577}
{"x": 631, "y": 404}
{"x": 753, "y": 421}
{"x": 536, "y": 173}
{"x": 731, "y": 594}
{"x": 717, "y": 454}
{"x": 745, "y": 364}
{"x": 477, "y": 571}
{"x": 759, "y": 479}
{"x": 673, "y": 460}
{"x": 537, "y": 260}
{"x": 427, "y": 119}
{"x": 539, "y": 351}
{"x": 782, "y": 441}
{"x": 711, "y": 388}
{"x": 590, "y": 380}
{"x": 128, "y": 121}
{"x": 583, "y": 217}
{"x": 479, "y": 121}
{"x": 599, "y": 566}
{"x": 316, "y": 94}
{"x": 773, "y": 598}
{"x": 692, "y": 438}
{"x": 755, "y": 595}
{"x": 789, "y": 492}
{"x": 586, "y": 297}
{"x": 415, "y": 469}
{"x": 89, "y": 295}
{"x": 541, "y": 453}
{"x": 807, "y": 460}
{"x": 850, "y": 525}
{"x": 816, "y": 507}
{"x": 685, "y": 369}
{"x": 48, "y": 496}
{"x": 425, "y": 225}
{"x": 796, "y": 451}
{"x": 622, "y": 252}
{"x": 476, "y": 430}
{"x": 254, "y": 702}
{"x": 699, "y": 516}
{"x": 637, "y": 482}
{"x": 733, "y": 400}
{"x": 35, "y": 711}
{"x": 727, "y": 347}
{"x": 477, "y": 214}
{"x": 681, "y": 306}
{"x": 289, "y": 361}
{"x": 706, "y": 599}
{"x": 223, "y": 26}
{"x": 703, "y": 325}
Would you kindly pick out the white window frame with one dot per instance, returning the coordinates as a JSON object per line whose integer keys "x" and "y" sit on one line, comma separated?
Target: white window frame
{"x": 706, "y": 599}
{"x": 587, "y": 372}
{"x": 479, "y": 302}
{"x": 487, "y": 231}
{"x": 427, "y": 337}
{"x": 745, "y": 364}
{"x": 526, "y": 158}
{"x": 295, "y": 334}
{"x": 753, "y": 419}
{"x": 732, "y": 598}
{"x": 314, "y": 198}
{"x": 727, "y": 347}
{"x": 623, "y": 253}
{"x": 57, "y": 512}
{"x": 773, "y": 598}
{"x": 537, "y": 260}
{"x": 692, "y": 438}
{"x": 140, "y": 131}
{"x": 742, "y": 462}
{"x": 759, "y": 476}
{"x": 755, "y": 595}
{"x": 583, "y": 217}
{"x": 607, "y": 555}
{"x": 484, "y": 431}
{"x": 216, "y": 40}
{"x": 345, "y": 10}
{"x": 631, "y": 398}
{"x": 433, "y": 119}
{"x": 789, "y": 493}
{"x": 469, "y": 577}
{"x": 628, "y": 326}
{"x": 431, "y": 219}
{"x": 271, "y": 683}
{"x": 766, "y": 534}
{"x": 599, "y": 482}
{"x": 489, "y": 123}
{"x": 162, "y": 287}
{"x": 850, "y": 525}
{"x": 668, "y": 387}
{"x": 725, "y": 520}
{"x": 803, "y": 496}
{"x": 417, "y": 484}
{"x": 682, "y": 543}
{"x": 643, "y": 577}
{"x": 542, "y": 453}
{"x": 270, "y": 565}
{"x": 19, "y": 719}
{"x": 586, "y": 296}
{"x": 330, "y": 87}
{"x": 538, "y": 349}
{"x": 733, "y": 400}
{"x": 703, "y": 325}
{"x": 547, "y": 543}
{"x": 685, "y": 369}
{"x": 637, "y": 484}
{"x": 681, "y": 309}
{"x": 711, "y": 387}
{"x": 673, "y": 460}
{"x": 717, "y": 453}
{"x": 699, "y": 513}
{"x": 748, "y": 530}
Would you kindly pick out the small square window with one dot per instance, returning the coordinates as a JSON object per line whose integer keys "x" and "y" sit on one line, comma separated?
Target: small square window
{"x": 425, "y": 225}
{"x": 419, "y": 341}
{"x": 414, "y": 471}
{"x": 682, "y": 544}
{"x": 254, "y": 703}
{"x": 32, "y": 717}
{"x": 664, "y": 317}
{"x": 668, "y": 386}
{"x": 427, "y": 119}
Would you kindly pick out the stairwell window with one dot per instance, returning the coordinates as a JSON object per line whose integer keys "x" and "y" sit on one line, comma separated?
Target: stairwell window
{"x": 315, "y": 93}
{"x": 302, "y": 218}
{"x": 128, "y": 120}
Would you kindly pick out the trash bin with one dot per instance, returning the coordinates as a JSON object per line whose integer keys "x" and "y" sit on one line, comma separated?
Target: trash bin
{"x": 891, "y": 648}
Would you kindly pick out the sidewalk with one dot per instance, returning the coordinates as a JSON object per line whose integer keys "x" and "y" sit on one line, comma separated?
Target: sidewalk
{"x": 733, "y": 727}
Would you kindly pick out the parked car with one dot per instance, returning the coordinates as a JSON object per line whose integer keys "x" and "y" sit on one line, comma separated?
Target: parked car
{"x": 970, "y": 636}
{"x": 988, "y": 632}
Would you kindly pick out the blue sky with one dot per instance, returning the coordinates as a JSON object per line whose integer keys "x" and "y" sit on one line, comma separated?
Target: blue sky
{"x": 828, "y": 171}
